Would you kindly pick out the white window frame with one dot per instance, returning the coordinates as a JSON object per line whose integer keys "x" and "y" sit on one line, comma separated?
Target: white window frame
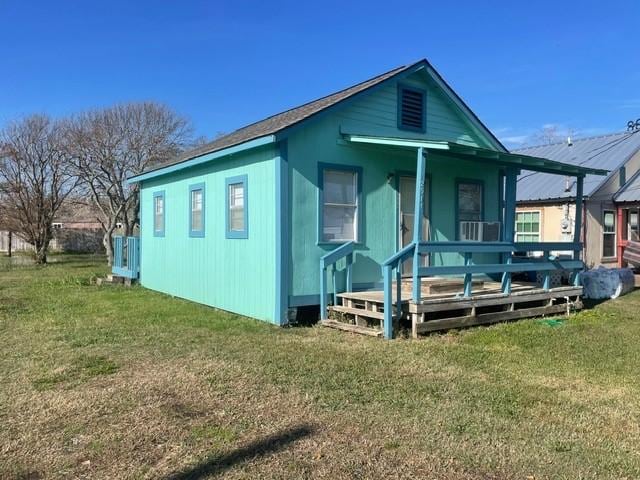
{"x": 539, "y": 232}
{"x": 614, "y": 233}
{"x": 357, "y": 173}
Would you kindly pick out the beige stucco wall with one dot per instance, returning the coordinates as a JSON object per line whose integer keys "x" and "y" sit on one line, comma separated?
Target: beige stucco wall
{"x": 551, "y": 215}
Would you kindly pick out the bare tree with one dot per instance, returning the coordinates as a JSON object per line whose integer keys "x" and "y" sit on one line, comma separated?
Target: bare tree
{"x": 110, "y": 145}
{"x": 552, "y": 134}
{"x": 35, "y": 179}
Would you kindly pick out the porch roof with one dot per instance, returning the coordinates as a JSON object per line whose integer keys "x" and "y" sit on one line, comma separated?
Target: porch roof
{"x": 525, "y": 162}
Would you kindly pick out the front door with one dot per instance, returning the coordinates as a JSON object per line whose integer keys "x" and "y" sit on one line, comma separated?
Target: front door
{"x": 406, "y": 215}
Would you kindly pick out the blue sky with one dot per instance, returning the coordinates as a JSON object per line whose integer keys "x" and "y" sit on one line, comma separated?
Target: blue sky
{"x": 519, "y": 65}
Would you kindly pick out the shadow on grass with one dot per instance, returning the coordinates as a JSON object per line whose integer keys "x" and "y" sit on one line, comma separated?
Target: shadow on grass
{"x": 218, "y": 464}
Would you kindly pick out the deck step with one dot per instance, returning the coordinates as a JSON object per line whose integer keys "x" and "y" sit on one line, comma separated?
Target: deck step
{"x": 358, "y": 311}
{"x": 351, "y": 328}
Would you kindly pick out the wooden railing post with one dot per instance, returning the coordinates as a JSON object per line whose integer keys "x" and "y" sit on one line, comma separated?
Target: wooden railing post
{"x": 546, "y": 282}
{"x": 323, "y": 291}
{"x": 388, "y": 302}
{"x": 421, "y": 172}
{"x": 349, "y": 285}
{"x": 399, "y": 289}
{"x": 333, "y": 281}
{"x": 577, "y": 232}
{"x": 511, "y": 179}
{"x": 468, "y": 278}
{"x": 117, "y": 252}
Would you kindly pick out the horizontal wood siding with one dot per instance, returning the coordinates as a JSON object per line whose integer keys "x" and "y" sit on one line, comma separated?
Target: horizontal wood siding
{"x": 237, "y": 275}
{"x": 378, "y": 111}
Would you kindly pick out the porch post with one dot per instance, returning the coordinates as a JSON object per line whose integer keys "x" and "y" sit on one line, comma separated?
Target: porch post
{"x": 421, "y": 171}
{"x": 621, "y": 234}
{"x": 577, "y": 233}
{"x": 511, "y": 179}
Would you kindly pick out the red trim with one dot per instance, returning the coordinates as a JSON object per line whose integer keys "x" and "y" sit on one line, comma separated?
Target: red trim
{"x": 622, "y": 243}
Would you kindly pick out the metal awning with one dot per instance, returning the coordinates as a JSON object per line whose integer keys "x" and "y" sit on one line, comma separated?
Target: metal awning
{"x": 524, "y": 162}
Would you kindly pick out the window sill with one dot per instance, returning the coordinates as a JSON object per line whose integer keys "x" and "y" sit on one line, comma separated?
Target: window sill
{"x": 337, "y": 243}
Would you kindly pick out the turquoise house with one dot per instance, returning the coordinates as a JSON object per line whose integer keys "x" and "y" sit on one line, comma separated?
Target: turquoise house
{"x": 394, "y": 174}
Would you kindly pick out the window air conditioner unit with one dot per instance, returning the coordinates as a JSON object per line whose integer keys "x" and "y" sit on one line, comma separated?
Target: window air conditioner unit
{"x": 480, "y": 231}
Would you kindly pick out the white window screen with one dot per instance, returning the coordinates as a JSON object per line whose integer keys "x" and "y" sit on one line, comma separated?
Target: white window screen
{"x": 158, "y": 219}
{"x": 196, "y": 210}
{"x": 340, "y": 208}
{"x": 236, "y": 207}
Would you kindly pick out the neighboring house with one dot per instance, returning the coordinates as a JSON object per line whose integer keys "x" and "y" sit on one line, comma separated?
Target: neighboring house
{"x": 75, "y": 229}
{"x": 546, "y": 203}
{"x": 627, "y": 216}
{"x": 355, "y": 182}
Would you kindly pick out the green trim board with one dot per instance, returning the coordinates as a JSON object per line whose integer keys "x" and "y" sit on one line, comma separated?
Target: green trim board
{"x": 242, "y": 233}
{"x": 193, "y": 162}
{"x": 283, "y": 235}
{"x": 480, "y": 154}
{"x": 199, "y": 233}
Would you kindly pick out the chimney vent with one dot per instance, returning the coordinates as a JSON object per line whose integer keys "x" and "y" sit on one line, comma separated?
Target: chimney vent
{"x": 569, "y": 142}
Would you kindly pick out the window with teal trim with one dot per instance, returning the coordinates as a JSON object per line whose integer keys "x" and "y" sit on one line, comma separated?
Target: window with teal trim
{"x": 158, "y": 214}
{"x": 469, "y": 202}
{"x": 237, "y": 207}
{"x": 340, "y": 197}
{"x": 411, "y": 109}
{"x": 196, "y": 210}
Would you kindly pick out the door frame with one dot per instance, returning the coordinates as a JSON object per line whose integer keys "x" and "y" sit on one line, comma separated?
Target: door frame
{"x": 408, "y": 173}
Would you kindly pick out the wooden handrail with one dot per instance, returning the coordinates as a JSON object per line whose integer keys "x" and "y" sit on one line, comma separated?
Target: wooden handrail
{"x": 338, "y": 254}
{"x": 401, "y": 255}
{"x": 330, "y": 259}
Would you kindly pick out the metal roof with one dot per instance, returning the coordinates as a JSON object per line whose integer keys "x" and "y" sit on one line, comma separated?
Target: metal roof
{"x": 482, "y": 154}
{"x": 631, "y": 191}
{"x": 607, "y": 152}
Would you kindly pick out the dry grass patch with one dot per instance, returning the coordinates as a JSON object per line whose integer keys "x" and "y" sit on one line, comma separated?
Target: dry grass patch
{"x": 128, "y": 383}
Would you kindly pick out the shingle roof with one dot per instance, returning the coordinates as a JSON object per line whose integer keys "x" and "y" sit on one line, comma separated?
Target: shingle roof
{"x": 607, "y": 152}
{"x": 280, "y": 121}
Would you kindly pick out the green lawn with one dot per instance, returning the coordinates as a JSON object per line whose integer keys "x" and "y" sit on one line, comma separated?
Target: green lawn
{"x": 114, "y": 382}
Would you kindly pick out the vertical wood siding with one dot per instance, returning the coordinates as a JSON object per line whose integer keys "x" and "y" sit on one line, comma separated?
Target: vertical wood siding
{"x": 320, "y": 142}
{"x": 237, "y": 275}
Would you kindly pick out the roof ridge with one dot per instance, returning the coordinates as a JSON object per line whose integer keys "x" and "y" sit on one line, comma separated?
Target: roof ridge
{"x": 574, "y": 140}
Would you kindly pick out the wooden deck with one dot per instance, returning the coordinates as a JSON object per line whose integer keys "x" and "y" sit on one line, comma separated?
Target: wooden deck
{"x": 443, "y": 306}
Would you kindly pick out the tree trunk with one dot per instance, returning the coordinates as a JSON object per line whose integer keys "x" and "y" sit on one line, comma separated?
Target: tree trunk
{"x": 107, "y": 241}
{"x": 10, "y": 239}
{"x": 41, "y": 251}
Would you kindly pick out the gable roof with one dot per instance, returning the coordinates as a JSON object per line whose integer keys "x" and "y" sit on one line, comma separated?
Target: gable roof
{"x": 608, "y": 152}
{"x": 278, "y": 123}
{"x": 630, "y": 192}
